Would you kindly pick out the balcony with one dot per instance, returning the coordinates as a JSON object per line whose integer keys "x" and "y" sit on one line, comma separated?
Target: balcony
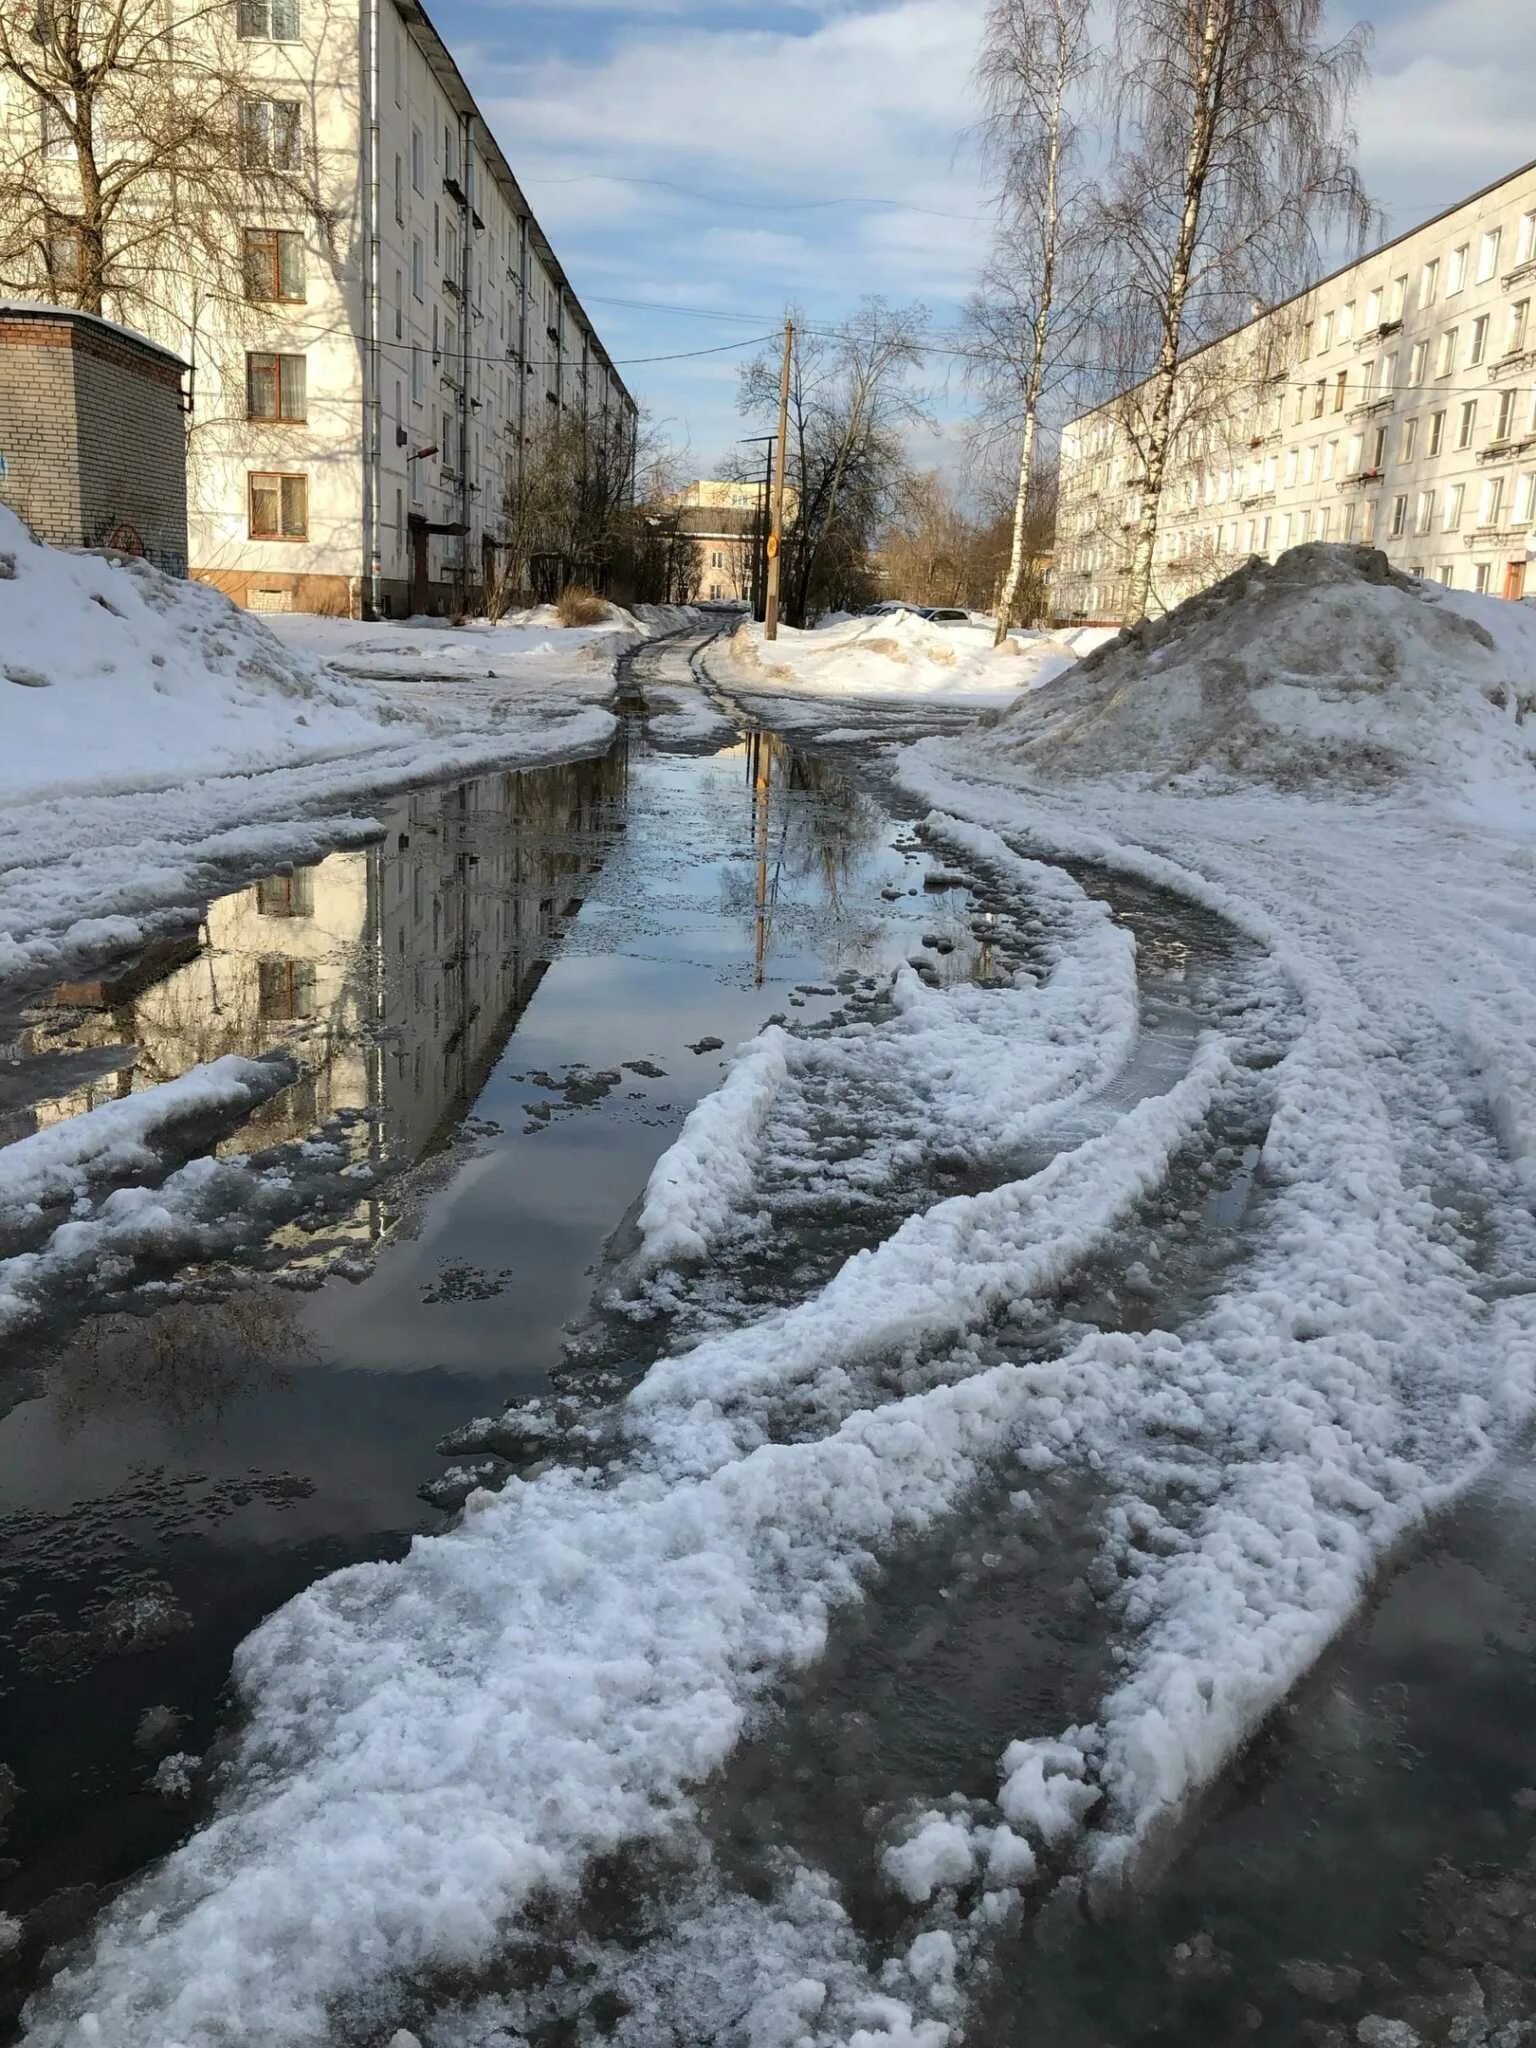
{"x": 1521, "y": 274}
{"x": 1372, "y": 335}
{"x": 1497, "y": 537}
{"x": 1371, "y": 407}
{"x": 1512, "y": 365}
{"x": 455, "y": 191}
{"x": 1358, "y": 478}
{"x": 452, "y": 287}
{"x": 1258, "y": 501}
{"x": 1505, "y": 451}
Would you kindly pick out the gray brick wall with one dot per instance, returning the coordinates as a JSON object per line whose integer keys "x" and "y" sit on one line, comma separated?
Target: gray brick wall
{"x": 93, "y": 437}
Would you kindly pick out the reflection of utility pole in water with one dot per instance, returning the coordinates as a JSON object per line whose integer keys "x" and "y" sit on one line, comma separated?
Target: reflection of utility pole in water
{"x": 761, "y": 762}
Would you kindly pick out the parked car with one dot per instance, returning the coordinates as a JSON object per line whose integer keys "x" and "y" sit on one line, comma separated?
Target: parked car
{"x": 946, "y": 615}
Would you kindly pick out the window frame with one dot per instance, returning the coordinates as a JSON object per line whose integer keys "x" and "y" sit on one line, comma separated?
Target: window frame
{"x": 276, "y": 237}
{"x": 268, "y": 160}
{"x": 255, "y": 479}
{"x": 282, "y": 377}
{"x": 1456, "y": 269}
{"x": 247, "y": 11}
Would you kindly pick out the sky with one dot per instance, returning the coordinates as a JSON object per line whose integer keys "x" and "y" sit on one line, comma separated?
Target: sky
{"x": 698, "y": 163}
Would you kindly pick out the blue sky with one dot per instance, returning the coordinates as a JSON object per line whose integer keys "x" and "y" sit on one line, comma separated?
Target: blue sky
{"x": 751, "y": 118}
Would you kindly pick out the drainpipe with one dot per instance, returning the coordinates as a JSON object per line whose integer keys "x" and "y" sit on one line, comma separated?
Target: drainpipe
{"x": 466, "y": 222}
{"x": 370, "y": 282}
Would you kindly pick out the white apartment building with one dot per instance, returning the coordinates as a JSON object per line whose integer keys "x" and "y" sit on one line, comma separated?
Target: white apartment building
{"x": 368, "y": 377}
{"x": 1392, "y": 403}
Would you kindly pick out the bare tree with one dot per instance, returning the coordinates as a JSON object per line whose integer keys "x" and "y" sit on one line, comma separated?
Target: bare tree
{"x": 1036, "y": 295}
{"x": 848, "y": 400}
{"x": 1235, "y": 152}
{"x": 133, "y": 140}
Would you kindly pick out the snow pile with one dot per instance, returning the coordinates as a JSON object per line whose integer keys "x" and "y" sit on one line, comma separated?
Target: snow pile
{"x": 1324, "y": 667}
{"x": 897, "y": 654}
{"x": 111, "y": 671}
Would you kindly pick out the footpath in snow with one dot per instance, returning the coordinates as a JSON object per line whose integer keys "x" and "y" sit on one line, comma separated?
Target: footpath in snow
{"x": 1329, "y": 767}
{"x": 157, "y": 738}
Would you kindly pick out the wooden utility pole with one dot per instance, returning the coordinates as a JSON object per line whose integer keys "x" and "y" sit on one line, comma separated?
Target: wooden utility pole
{"x": 776, "y": 523}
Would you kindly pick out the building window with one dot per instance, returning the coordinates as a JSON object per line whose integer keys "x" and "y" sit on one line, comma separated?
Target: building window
{"x": 285, "y": 989}
{"x": 1514, "y": 332}
{"x": 1350, "y": 512}
{"x": 1429, "y": 280}
{"x": 1378, "y": 449}
{"x": 1436, "y": 432}
{"x": 1446, "y": 360}
{"x": 1456, "y": 270}
{"x": 1445, "y": 574}
{"x": 1491, "y": 505}
{"x": 399, "y": 306}
{"x": 1525, "y": 498}
{"x": 1477, "y": 347}
{"x": 418, "y": 161}
{"x": 66, "y": 257}
{"x": 268, "y": 21}
{"x": 1368, "y": 519}
{"x": 399, "y": 190}
{"x": 1303, "y": 526}
{"x": 58, "y": 136}
{"x": 717, "y": 559}
{"x": 1450, "y": 511}
{"x": 1410, "y": 435}
{"x": 1506, "y": 419}
{"x": 1341, "y": 386}
{"x": 1324, "y": 520}
{"x": 1319, "y": 397}
{"x": 1417, "y": 359}
{"x": 279, "y": 506}
{"x": 274, "y": 265}
{"x": 1330, "y": 459}
{"x": 1423, "y": 511}
{"x": 1488, "y": 254}
{"x": 1288, "y": 473}
{"x": 1397, "y": 298}
{"x": 418, "y": 374}
{"x": 1482, "y": 576}
{"x": 271, "y": 135}
{"x": 1373, "y": 308}
{"x": 418, "y": 268}
{"x": 1466, "y": 423}
{"x": 287, "y": 895}
{"x": 1399, "y": 516}
{"x": 1325, "y": 334}
{"x": 274, "y": 388}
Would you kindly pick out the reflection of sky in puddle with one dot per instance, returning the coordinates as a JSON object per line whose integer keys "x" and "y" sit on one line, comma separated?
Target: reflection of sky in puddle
{"x": 521, "y": 926}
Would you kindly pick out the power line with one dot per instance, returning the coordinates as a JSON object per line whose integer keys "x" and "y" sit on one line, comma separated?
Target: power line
{"x": 751, "y": 205}
{"x": 404, "y": 349}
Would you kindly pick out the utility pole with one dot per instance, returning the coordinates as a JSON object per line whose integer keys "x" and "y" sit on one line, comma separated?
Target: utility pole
{"x": 776, "y": 527}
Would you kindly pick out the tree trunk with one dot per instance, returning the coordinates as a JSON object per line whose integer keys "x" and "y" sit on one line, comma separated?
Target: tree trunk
{"x": 1197, "y": 162}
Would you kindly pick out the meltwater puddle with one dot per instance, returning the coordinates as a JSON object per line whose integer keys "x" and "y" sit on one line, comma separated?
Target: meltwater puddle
{"x": 502, "y": 1010}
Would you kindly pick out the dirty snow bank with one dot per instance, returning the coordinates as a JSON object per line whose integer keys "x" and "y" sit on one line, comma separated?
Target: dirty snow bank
{"x": 1325, "y": 666}
{"x": 154, "y": 738}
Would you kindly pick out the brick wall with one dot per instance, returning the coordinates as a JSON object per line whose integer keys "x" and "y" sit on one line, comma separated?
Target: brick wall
{"x": 93, "y": 436}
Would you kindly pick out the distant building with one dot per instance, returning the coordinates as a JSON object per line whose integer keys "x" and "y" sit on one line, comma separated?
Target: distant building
{"x": 1393, "y": 402}
{"x": 725, "y": 523}
{"x": 92, "y": 435}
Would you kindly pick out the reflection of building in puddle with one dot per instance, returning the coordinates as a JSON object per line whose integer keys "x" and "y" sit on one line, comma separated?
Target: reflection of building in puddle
{"x": 393, "y": 973}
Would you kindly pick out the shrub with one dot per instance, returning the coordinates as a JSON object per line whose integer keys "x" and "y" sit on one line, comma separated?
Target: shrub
{"x": 578, "y": 606}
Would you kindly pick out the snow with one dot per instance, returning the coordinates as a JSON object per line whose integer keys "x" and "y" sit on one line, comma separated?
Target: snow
{"x": 896, "y": 656}
{"x": 63, "y": 1161}
{"x": 431, "y": 1744}
{"x": 157, "y": 739}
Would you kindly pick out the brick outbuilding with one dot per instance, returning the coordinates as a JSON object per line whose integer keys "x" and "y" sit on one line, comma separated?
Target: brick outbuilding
{"x": 92, "y": 433}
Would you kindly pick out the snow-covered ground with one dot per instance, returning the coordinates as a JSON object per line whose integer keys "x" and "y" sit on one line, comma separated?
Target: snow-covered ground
{"x": 153, "y": 736}
{"x": 1330, "y": 773}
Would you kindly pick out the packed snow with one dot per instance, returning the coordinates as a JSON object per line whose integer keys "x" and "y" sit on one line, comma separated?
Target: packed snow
{"x": 158, "y": 739}
{"x": 1330, "y": 771}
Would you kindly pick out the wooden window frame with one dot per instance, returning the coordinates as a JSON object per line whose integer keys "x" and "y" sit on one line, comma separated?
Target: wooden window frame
{"x": 273, "y": 238}
{"x": 282, "y": 417}
{"x": 279, "y": 477}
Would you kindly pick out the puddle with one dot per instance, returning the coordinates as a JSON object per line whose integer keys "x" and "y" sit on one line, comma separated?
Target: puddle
{"x": 508, "y": 1004}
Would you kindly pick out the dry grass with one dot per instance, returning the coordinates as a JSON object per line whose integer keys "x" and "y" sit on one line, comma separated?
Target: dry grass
{"x": 578, "y": 606}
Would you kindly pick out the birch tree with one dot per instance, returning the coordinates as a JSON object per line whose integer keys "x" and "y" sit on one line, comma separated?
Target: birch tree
{"x": 1234, "y": 155}
{"x": 1036, "y": 60}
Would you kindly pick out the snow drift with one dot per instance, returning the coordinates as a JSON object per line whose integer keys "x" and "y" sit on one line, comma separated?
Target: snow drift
{"x": 898, "y": 654}
{"x": 1326, "y": 666}
{"x": 110, "y": 672}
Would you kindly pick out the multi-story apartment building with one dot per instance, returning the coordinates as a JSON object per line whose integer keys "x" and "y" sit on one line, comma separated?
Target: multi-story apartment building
{"x": 395, "y": 332}
{"x": 1394, "y": 402}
